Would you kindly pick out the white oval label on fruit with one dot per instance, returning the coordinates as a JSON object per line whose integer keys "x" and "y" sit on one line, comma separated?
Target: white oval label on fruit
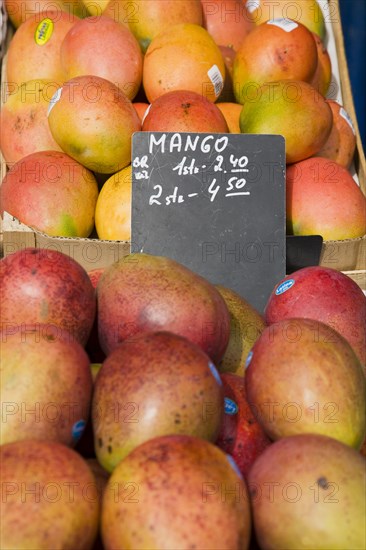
{"x": 231, "y": 407}
{"x": 215, "y": 372}
{"x": 43, "y": 31}
{"x": 78, "y": 429}
{"x": 284, "y": 287}
{"x": 252, "y": 5}
{"x": 217, "y": 81}
{"x": 346, "y": 117}
{"x": 285, "y": 24}
{"x": 54, "y": 99}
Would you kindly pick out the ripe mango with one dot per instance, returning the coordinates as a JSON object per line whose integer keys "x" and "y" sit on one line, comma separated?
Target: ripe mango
{"x": 293, "y": 109}
{"x": 308, "y": 491}
{"x": 50, "y": 497}
{"x": 307, "y": 12}
{"x": 276, "y": 50}
{"x": 154, "y": 384}
{"x": 92, "y": 120}
{"x": 176, "y": 492}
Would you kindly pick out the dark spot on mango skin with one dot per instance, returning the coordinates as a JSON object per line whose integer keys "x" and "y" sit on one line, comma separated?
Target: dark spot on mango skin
{"x": 322, "y": 482}
{"x": 161, "y": 455}
{"x": 18, "y": 124}
{"x": 110, "y": 449}
{"x": 100, "y": 442}
{"x": 283, "y": 57}
{"x": 186, "y": 107}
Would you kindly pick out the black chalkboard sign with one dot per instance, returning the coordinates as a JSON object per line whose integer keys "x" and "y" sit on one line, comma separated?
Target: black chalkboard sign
{"x": 302, "y": 251}
{"x": 215, "y": 203}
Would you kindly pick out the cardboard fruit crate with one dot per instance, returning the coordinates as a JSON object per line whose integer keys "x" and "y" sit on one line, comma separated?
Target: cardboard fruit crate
{"x": 347, "y": 255}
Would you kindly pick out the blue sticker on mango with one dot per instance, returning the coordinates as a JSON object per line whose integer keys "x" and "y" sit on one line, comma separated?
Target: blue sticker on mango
{"x": 78, "y": 429}
{"x": 285, "y": 286}
{"x": 231, "y": 407}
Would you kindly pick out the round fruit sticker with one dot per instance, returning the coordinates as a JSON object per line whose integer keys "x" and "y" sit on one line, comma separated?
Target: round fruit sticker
{"x": 284, "y": 287}
{"x": 43, "y": 31}
{"x": 231, "y": 407}
{"x": 78, "y": 429}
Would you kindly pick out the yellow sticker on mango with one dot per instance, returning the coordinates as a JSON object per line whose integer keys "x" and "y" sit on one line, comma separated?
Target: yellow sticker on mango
{"x": 43, "y": 31}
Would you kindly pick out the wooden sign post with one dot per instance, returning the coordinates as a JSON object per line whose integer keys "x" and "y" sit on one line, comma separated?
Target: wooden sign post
{"x": 215, "y": 203}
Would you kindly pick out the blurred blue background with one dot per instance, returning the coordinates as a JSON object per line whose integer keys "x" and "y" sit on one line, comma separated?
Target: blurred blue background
{"x": 353, "y": 18}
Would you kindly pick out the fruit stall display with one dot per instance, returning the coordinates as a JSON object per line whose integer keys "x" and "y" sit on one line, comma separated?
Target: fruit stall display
{"x": 56, "y": 101}
{"x": 144, "y": 406}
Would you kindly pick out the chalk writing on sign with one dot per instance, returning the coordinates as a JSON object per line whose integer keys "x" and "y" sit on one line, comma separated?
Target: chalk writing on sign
{"x": 234, "y": 169}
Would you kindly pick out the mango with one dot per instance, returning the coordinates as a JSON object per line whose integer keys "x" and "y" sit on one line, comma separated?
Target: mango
{"x": 155, "y": 383}
{"x": 276, "y": 50}
{"x": 113, "y": 208}
{"x": 324, "y": 294}
{"x": 293, "y": 109}
{"x": 308, "y": 491}
{"x": 24, "y": 126}
{"x": 144, "y": 292}
{"x": 184, "y": 111}
{"x": 307, "y": 12}
{"x": 325, "y": 181}
{"x": 183, "y": 57}
{"x": 52, "y": 193}
{"x": 176, "y": 492}
{"x": 46, "y": 385}
{"x": 50, "y": 497}
{"x": 341, "y": 144}
{"x": 103, "y": 47}
{"x": 92, "y": 120}
{"x": 148, "y": 19}
{"x": 227, "y": 22}
{"x": 34, "y": 51}
{"x": 322, "y": 78}
{"x": 246, "y": 325}
{"x": 304, "y": 377}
